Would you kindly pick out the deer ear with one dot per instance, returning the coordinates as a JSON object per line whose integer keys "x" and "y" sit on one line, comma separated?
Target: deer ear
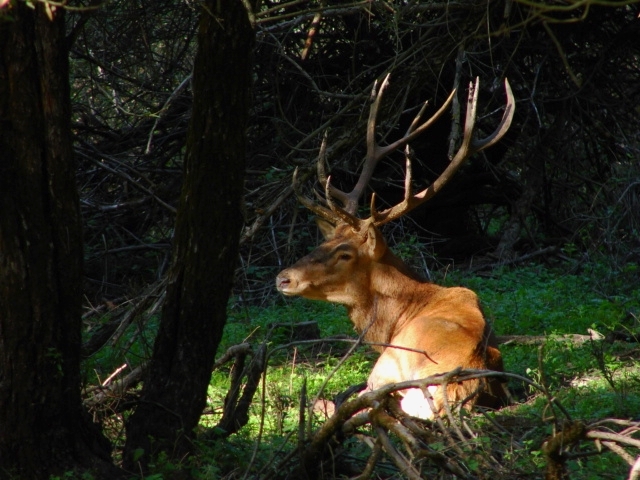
{"x": 328, "y": 230}
{"x": 375, "y": 243}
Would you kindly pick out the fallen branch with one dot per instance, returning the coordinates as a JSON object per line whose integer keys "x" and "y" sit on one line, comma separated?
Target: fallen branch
{"x": 377, "y": 408}
{"x": 113, "y": 391}
{"x": 236, "y": 410}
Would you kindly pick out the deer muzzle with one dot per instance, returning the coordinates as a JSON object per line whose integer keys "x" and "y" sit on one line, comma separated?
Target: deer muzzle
{"x": 284, "y": 284}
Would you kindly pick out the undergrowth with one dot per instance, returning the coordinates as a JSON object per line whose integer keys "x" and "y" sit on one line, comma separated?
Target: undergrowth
{"x": 591, "y": 379}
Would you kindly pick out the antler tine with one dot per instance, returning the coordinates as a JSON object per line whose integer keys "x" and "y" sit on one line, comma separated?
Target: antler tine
{"x": 505, "y": 123}
{"x": 376, "y": 97}
{"x": 330, "y": 190}
{"x": 335, "y": 213}
{"x": 322, "y": 160}
{"x": 417, "y": 118}
{"x": 380, "y": 218}
{"x": 374, "y": 152}
{"x": 469, "y": 125}
{"x": 407, "y": 178}
{"x": 319, "y": 210}
{"x": 467, "y": 148}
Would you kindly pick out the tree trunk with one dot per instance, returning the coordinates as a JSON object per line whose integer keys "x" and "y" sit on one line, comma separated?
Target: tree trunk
{"x": 205, "y": 243}
{"x": 44, "y": 429}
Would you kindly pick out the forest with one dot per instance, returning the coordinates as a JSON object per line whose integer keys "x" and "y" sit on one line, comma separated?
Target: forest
{"x": 162, "y": 168}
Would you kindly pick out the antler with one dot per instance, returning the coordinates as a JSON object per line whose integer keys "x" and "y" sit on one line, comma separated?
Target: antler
{"x": 375, "y": 152}
{"x": 334, "y": 213}
{"x": 467, "y": 148}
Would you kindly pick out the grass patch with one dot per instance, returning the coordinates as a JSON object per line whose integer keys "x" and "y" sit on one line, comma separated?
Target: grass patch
{"x": 592, "y": 380}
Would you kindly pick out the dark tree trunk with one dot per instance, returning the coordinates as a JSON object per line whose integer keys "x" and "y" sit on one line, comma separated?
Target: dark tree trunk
{"x": 205, "y": 242}
{"x": 43, "y": 427}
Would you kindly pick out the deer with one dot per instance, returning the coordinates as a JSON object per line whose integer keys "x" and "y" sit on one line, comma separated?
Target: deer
{"x": 419, "y": 328}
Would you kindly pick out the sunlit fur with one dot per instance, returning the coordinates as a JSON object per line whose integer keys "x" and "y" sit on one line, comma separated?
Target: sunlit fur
{"x": 382, "y": 295}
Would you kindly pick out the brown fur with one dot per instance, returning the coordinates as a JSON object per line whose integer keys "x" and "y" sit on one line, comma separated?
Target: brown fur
{"x": 383, "y": 297}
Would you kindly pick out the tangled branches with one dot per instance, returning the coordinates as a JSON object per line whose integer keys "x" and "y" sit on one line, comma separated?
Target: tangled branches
{"x": 315, "y": 63}
{"x": 369, "y": 435}
{"x": 455, "y": 444}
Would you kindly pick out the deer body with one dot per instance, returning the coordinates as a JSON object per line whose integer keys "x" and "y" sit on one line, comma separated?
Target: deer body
{"x": 420, "y": 329}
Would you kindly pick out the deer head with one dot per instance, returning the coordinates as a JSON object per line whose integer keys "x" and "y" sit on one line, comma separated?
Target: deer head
{"x": 353, "y": 243}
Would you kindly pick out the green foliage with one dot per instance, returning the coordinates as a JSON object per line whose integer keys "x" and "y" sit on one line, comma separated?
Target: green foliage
{"x": 253, "y": 323}
{"x": 132, "y": 347}
{"x": 591, "y": 379}
{"x": 293, "y": 365}
{"x": 535, "y": 300}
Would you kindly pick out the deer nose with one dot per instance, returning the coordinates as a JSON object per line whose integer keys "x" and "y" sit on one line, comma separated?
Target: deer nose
{"x": 282, "y": 282}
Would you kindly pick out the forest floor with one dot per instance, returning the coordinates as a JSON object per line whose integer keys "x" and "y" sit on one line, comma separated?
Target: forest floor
{"x": 569, "y": 336}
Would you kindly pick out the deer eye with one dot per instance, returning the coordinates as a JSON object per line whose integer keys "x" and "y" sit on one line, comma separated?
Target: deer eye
{"x": 344, "y": 257}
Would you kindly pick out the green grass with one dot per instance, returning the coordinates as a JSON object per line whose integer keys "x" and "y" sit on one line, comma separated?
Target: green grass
{"x": 253, "y": 323}
{"x": 535, "y": 300}
{"x": 294, "y": 364}
{"x": 592, "y": 380}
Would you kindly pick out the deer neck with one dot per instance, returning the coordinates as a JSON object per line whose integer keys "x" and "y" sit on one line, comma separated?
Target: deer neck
{"x": 394, "y": 294}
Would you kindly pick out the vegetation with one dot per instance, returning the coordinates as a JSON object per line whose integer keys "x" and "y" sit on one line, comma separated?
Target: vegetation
{"x": 591, "y": 380}
{"x": 545, "y": 226}
{"x": 564, "y": 177}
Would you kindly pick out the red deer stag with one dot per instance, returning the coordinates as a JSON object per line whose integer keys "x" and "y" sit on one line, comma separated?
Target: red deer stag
{"x": 419, "y": 328}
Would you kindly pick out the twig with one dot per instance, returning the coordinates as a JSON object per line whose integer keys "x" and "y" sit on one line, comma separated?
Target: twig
{"x": 130, "y": 180}
{"x": 236, "y": 413}
{"x": 574, "y": 338}
{"x": 401, "y": 462}
{"x": 562, "y": 55}
{"x": 614, "y": 437}
{"x": 233, "y": 351}
{"x": 164, "y": 108}
{"x": 621, "y": 452}
{"x": 114, "y": 374}
{"x": 116, "y": 389}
